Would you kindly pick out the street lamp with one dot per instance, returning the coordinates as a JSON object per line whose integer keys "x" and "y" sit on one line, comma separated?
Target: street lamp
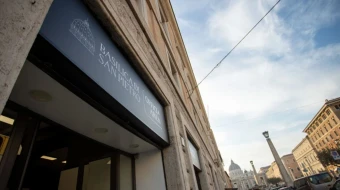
{"x": 266, "y": 134}
{"x": 278, "y": 161}
{"x": 255, "y": 173}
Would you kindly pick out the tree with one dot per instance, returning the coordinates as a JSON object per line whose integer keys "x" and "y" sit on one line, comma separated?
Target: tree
{"x": 325, "y": 157}
{"x": 274, "y": 180}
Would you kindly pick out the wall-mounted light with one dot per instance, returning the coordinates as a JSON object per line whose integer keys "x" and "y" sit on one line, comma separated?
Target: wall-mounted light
{"x": 48, "y": 157}
{"x": 40, "y": 96}
{"x": 101, "y": 130}
{"x": 134, "y": 145}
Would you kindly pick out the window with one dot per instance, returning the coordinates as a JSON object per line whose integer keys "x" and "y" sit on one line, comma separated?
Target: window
{"x": 317, "y": 124}
{"x": 164, "y": 22}
{"x": 322, "y": 132}
{"x": 328, "y": 112}
{"x": 323, "y": 142}
{"x": 319, "y": 134}
{"x": 335, "y": 133}
{"x": 313, "y": 126}
{"x": 143, "y": 9}
{"x": 329, "y": 123}
{"x": 327, "y": 139}
{"x": 317, "y": 146}
{"x": 334, "y": 121}
{"x": 173, "y": 70}
{"x": 331, "y": 136}
{"x": 320, "y": 120}
{"x": 323, "y": 116}
{"x": 325, "y": 128}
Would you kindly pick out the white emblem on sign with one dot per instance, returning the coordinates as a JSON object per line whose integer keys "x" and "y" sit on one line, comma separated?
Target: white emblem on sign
{"x": 81, "y": 30}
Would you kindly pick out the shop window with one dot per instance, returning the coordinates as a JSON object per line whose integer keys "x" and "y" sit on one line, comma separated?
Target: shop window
{"x": 6, "y": 128}
{"x": 125, "y": 173}
{"x": 196, "y": 162}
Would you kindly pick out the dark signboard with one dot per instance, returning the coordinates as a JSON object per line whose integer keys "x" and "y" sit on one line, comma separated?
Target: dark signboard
{"x": 71, "y": 28}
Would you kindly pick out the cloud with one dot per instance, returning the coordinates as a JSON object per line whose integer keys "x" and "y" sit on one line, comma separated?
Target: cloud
{"x": 277, "y": 78}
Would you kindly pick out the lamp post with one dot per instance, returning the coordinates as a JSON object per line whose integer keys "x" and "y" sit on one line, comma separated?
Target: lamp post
{"x": 278, "y": 160}
{"x": 255, "y": 173}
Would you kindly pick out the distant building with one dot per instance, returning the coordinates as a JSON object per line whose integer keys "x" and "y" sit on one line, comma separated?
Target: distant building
{"x": 273, "y": 171}
{"x": 323, "y": 130}
{"x": 306, "y": 158}
{"x": 290, "y": 164}
{"x": 243, "y": 180}
{"x": 262, "y": 175}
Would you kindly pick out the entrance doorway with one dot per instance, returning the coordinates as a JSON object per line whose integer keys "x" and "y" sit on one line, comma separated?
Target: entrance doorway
{"x": 53, "y": 157}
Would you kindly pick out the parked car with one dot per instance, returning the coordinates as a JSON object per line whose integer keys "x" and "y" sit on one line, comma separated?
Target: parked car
{"x": 286, "y": 188}
{"x": 321, "y": 181}
{"x": 336, "y": 185}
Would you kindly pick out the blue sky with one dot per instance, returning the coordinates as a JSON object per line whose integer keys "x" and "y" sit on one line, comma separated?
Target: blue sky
{"x": 276, "y": 79}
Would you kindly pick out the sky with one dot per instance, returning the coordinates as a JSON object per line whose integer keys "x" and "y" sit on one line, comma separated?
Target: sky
{"x": 275, "y": 80}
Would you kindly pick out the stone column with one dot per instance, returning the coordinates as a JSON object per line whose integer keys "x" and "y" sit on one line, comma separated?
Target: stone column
{"x": 279, "y": 163}
{"x": 255, "y": 173}
{"x": 19, "y": 25}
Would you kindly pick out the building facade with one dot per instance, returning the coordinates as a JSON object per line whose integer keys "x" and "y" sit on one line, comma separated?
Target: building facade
{"x": 241, "y": 180}
{"x": 273, "y": 171}
{"x": 306, "y": 158}
{"x": 262, "y": 175}
{"x": 291, "y": 166}
{"x": 101, "y": 95}
{"x": 228, "y": 181}
{"x": 323, "y": 130}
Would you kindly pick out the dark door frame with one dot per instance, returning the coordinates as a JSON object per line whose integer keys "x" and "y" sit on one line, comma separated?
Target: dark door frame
{"x": 25, "y": 130}
{"x": 23, "y": 124}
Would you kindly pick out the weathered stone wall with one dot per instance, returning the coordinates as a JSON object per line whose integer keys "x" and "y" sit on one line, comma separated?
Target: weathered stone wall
{"x": 20, "y": 22}
{"x": 148, "y": 48}
{"x": 143, "y": 40}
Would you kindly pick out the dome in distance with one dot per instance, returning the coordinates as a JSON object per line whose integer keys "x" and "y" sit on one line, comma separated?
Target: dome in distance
{"x": 234, "y": 166}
